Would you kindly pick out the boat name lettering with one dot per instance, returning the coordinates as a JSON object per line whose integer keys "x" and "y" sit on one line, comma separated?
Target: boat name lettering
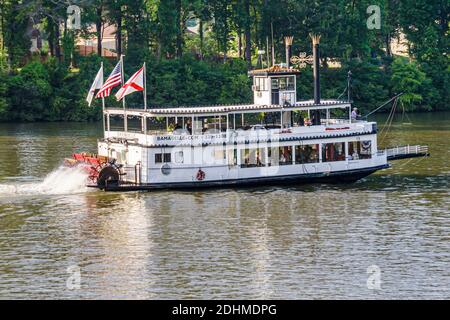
{"x": 187, "y": 137}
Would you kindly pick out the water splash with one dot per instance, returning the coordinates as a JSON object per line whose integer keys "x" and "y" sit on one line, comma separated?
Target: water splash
{"x": 63, "y": 180}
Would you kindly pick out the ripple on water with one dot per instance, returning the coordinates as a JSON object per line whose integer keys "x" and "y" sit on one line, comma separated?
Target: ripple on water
{"x": 313, "y": 241}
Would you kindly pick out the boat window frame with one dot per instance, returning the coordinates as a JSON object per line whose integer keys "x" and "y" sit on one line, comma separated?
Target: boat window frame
{"x": 334, "y": 158}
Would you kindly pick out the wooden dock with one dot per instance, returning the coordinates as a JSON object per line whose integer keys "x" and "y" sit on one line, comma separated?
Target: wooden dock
{"x": 404, "y": 152}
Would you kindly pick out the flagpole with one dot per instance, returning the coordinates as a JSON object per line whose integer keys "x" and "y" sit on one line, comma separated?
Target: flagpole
{"x": 103, "y": 109}
{"x": 145, "y": 87}
{"x": 125, "y": 124}
{"x": 123, "y": 78}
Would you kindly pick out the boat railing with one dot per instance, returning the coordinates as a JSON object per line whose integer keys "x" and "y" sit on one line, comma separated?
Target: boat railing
{"x": 408, "y": 151}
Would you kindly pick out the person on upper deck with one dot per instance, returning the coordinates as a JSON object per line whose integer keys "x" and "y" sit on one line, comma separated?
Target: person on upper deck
{"x": 355, "y": 114}
{"x": 189, "y": 126}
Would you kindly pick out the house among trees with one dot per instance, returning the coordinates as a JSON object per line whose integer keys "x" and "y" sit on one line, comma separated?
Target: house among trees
{"x": 89, "y": 46}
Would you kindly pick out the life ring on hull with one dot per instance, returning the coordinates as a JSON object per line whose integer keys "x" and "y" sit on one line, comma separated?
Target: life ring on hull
{"x": 108, "y": 176}
{"x": 200, "y": 175}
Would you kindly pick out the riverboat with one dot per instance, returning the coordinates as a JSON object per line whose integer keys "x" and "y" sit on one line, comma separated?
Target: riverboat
{"x": 276, "y": 140}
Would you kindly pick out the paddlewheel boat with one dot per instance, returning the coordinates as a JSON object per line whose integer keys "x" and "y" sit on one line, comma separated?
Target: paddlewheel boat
{"x": 276, "y": 140}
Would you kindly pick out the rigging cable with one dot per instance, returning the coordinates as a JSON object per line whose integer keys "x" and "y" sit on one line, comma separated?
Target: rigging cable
{"x": 388, "y": 123}
{"x": 343, "y": 92}
{"x": 384, "y": 104}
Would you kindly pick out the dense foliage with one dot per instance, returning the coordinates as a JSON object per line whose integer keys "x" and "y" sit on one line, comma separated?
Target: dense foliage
{"x": 210, "y": 66}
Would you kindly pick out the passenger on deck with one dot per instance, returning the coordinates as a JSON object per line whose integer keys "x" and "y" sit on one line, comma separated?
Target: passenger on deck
{"x": 189, "y": 126}
{"x": 355, "y": 114}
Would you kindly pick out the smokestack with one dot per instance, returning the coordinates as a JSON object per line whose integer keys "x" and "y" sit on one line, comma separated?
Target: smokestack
{"x": 316, "y": 55}
{"x": 288, "y": 43}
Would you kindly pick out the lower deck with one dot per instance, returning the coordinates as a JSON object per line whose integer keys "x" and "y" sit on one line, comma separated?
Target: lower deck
{"x": 346, "y": 176}
{"x": 236, "y": 163}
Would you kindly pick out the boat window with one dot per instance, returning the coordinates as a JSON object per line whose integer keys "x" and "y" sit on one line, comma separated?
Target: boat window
{"x": 232, "y": 157}
{"x": 359, "y": 150}
{"x": 285, "y": 155}
{"x": 333, "y": 152}
{"x": 299, "y": 118}
{"x": 134, "y": 124}
{"x": 219, "y": 154}
{"x": 179, "y": 158}
{"x": 238, "y": 121}
{"x": 287, "y": 98}
{"x": 290, "y": 83}
{"x": 171, "y": 124}
{"x": 162, "y": 157}
{"x": 284, "y": 83}
{"x": 116, "y": 122}
{"x": 156, "y": 124}
{"x": 253, "y": 119}
{"x": 271, "y": 120}
{"x": 105, "y": 117}
{"x": 307, "y": 153}
{"x": 275, "y": 83}
{"x": 273, "y": 155}
{"x": 167, "y": 157}
{"x": 260, "y": 84}
{"x": 251, "y": 158}
{"x": 223, "y": 123}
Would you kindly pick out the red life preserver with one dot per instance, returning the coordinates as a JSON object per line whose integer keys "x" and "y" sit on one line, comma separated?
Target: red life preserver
{"x": 200, "y": 175}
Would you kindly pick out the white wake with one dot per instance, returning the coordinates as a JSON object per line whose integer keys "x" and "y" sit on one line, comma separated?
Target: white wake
{"x": 63, "y": 180}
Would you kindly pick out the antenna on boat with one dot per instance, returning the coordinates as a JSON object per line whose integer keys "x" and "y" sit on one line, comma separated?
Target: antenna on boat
{"x": 349, "y": 86}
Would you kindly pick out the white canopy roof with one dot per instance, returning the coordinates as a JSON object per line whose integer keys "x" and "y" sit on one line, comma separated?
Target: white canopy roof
{"x": 225, "y": 109}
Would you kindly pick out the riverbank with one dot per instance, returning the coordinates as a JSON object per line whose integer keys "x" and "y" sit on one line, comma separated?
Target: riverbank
{"x": 50, "y": 91}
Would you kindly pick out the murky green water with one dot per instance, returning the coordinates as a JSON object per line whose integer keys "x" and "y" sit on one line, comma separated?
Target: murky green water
{"x": 313, "y": 241}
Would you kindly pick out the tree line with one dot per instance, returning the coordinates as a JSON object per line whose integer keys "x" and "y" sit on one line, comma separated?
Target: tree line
{"x": 209, "y": 65}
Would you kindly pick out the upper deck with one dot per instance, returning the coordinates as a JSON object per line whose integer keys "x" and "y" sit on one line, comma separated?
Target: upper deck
{"x": 233, "y": 124}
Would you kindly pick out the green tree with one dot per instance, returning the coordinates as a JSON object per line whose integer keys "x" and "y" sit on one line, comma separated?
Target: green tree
{"x": 30, "y": 93}
{"x": 426, "y": 25}
{"x": 15, "y": 21}
{"x": 409, "y": 80}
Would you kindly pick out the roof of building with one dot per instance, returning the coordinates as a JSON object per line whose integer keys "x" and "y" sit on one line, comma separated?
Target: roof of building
{"x": 84, "y": 50}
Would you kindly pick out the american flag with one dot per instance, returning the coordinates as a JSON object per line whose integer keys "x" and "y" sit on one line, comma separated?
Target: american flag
{"x": 114, "y": 79}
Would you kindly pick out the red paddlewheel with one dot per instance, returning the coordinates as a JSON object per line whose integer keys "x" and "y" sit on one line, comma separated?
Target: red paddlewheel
{"x": 92, "y": 164}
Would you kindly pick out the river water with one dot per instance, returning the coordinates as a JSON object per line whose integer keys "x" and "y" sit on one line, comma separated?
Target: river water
{"x": 60, "y": 240}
